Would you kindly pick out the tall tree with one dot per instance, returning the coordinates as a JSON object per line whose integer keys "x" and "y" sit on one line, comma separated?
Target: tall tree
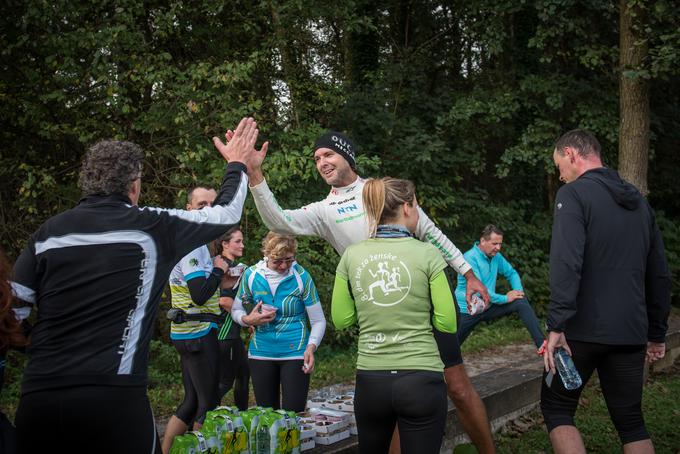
{"x": 633, "y": 95}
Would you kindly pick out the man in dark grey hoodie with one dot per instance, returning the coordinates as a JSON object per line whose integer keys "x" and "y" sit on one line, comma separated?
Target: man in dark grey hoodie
{"x": 609, "y": 293}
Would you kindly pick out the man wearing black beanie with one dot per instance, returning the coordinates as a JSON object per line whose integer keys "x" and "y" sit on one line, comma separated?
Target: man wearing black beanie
{"x": 339, "y": 143}
{"x": 340, "y": 220}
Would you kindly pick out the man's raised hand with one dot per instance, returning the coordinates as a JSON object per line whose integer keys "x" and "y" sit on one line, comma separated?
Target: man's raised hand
{"x": 255, "y": 168}
{"x": 240, "y": 144}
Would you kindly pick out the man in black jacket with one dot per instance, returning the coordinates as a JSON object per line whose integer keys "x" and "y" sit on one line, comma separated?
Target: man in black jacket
{"x": 96, "y": 274}
{"x": 609, "y": 293}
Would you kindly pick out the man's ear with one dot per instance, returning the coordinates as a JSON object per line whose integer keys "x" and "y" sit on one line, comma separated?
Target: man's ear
{"x": 571, "y": 153}
{"x": 134, "y": 191}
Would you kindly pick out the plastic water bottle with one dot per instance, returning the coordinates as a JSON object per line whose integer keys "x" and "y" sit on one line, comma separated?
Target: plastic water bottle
{"x": 476, "y": 303}
{"x": 565, "y": 367}
{"x": 262, "y": 440}
{"x": 267, "y": 326}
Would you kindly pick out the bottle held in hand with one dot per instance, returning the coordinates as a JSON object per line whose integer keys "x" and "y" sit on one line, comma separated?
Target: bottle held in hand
{"x": 248, "y": 303}
{"x": 477, "y": 304}
{"x": 567, "y": 370}
{"x": 236, "y": 270}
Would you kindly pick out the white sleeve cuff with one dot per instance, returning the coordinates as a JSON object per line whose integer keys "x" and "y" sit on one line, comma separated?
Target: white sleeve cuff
{"x": 318, "y": 322}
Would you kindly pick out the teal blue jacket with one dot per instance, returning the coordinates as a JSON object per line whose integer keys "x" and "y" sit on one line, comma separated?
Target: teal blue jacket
{"x": 287, "y": 336}
{"x": 487, "y": 270}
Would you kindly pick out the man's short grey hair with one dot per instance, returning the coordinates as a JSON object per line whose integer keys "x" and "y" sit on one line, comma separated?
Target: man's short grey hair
{"x": 110, "y": 167}
{"x": 488, "y": 230}
{"x": 580, "y": 140}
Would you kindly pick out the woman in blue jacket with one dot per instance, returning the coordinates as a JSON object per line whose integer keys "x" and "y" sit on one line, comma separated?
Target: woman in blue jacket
{"x": 278, "y": 297}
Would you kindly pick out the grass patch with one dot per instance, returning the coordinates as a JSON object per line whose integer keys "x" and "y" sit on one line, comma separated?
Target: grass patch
{"x": 499, "y": 332}
{"x": 334, "y": 365}
{"x": 11, "y": 389}
{"x": 660, "y": 405}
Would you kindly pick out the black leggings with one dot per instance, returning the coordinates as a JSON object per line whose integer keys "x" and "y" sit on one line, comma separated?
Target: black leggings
{"x": 620, "y": 369}
{"x": 200, "y": 361}
{"x": 269, "y": 376}
{"x": 234, "y": 371}
{"x": 416, "y": 400}
{"x": 87, "y": 419}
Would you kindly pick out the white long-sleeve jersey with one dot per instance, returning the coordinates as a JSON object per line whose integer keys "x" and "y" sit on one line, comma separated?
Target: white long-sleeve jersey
{"x": 340, "y": 219}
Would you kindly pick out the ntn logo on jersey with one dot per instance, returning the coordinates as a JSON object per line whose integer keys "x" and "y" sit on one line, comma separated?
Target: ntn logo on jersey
{"x": 347, "y": 209}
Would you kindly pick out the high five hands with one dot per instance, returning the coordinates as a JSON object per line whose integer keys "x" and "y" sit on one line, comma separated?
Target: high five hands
{"x": 240, "y": 145}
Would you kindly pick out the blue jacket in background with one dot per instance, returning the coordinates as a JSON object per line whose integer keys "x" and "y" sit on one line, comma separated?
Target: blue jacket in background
{"x": 487, "y": 270}
{"x": 286, "y": 337}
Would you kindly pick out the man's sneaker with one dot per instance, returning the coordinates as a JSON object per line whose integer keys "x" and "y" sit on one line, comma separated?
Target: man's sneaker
{"x": 541, "y": 349}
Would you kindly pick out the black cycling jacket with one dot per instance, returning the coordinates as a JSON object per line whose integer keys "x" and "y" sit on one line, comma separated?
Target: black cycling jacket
{"x": 96, "y": 274}
{"x": 609, "y": 279}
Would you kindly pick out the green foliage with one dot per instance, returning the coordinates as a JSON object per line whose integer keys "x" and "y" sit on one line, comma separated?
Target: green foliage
{"x": 464, "y": 98}
{"x": 670, "y": 231}
{"x": 334, "y": 365}
{"x": 526, "y": 239}
{"x": 11, "y": 389}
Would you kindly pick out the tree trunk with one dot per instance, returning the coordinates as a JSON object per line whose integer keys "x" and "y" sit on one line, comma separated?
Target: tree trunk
{"x": 634, "y": 98}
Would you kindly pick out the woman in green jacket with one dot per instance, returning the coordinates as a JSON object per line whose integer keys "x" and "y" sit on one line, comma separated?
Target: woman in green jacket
{"x": 395, "y": 288}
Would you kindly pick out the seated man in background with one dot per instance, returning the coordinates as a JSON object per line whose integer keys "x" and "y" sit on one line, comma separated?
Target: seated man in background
{"x": 487, "y": 263}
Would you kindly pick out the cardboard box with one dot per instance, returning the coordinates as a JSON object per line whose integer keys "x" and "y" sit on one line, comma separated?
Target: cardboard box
{"x": 348, "y": 406}
{"x": 317, "y": 402}
{"x": 332, "y": 404}
{"x": 331, "y": 438}
{"x": 307, "y": 431}
{"x": 326, "y": 414}
{"x": 307, "y": 444}
{"x": 329, "y": 427}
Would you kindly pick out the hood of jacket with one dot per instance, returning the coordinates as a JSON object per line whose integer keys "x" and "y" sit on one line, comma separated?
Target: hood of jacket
{"x": 623, "y": 193}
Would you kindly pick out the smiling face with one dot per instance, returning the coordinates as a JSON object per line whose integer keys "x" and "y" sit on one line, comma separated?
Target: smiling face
{"x": 333, "y": 168}
{"x": 233, "y": 248}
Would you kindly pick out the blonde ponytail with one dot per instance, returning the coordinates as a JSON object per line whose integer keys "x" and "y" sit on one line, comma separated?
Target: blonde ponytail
{"x": 374, "y": 203}
{"x": 382, "y": 199}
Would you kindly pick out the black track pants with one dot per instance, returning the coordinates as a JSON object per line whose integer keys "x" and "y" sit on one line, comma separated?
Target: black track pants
{"x": 87, "y": 419}
{"x": 416, "y": 400}
{"x": 270, "y": 376}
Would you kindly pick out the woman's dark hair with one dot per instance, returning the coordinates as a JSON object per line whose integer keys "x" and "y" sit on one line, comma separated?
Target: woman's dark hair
{"x": 10, "y": 329}
{"x": 217, "y": 244}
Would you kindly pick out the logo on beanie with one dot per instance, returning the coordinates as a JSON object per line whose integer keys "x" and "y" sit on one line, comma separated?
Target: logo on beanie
{"x": 343, "y": 145}
{"x": 339, "y": 143}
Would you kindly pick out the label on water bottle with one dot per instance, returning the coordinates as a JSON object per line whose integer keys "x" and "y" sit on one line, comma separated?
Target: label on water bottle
{"x": 202, "y": 443}
{"x": 567, "y": 370}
